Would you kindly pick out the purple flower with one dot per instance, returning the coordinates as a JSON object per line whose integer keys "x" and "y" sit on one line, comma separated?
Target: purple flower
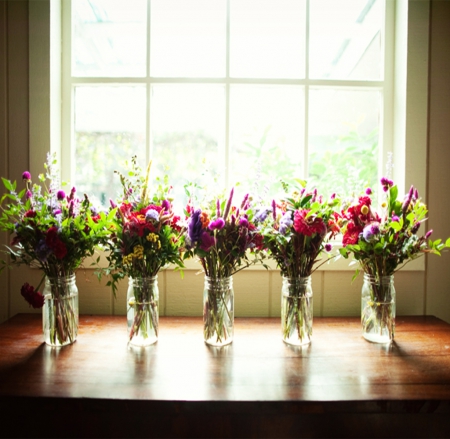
{"x": 42, "y": 250}
{"x": 368, "y": 191}
{"x": 195, "y": 226}
{"x": 328, "y": 247}
{"x": 28, "y": 195}
{"x": 218, "y": 208}
{"x": 207, "y": 241}
{"x": 57, "y": 212}
{"x": 386, "y": 183}
{"x": 262, "y": 215}
{"x": 166, "y": 205}
{"x": 243, "y": 221}
{"x": 370, "y": 231}
{"x": 274, "y": 210}
{"x": 428, "y": 234}
{"x": 151, "y": 215}
{"x": 112, "y": 204}
{"x": 244, "y": 204}
{"x": 395, "y": 218}
{"x": 60, "y": 195}
{"x": 26, "y": 176}
{"x": 217, "y": 224}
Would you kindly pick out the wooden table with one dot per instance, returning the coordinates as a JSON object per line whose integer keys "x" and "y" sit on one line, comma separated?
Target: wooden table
{"x": 339, "y": 386}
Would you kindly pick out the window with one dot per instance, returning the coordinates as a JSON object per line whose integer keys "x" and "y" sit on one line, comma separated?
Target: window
{"x": 228, "y": 91}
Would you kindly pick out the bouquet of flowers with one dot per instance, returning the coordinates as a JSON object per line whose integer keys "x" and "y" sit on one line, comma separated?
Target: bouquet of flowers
{"x": 146, "y": 236}
{"x": 226, "y": 240}
{"x": 296, "y": 230}
{"x": 382, "y": 242}
{"x": 54, "y": 232}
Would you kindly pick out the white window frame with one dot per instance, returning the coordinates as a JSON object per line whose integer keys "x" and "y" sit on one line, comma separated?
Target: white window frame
{"x": 407, "y": 133}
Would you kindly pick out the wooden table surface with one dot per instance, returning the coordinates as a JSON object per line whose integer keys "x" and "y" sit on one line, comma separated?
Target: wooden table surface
{"x": 340, "y": 385}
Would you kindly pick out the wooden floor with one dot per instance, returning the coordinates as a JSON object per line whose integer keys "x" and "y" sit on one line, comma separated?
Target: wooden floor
{"x": 339, "y": 386}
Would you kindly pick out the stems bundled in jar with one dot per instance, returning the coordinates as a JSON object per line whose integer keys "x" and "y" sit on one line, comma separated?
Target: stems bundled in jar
{"x": 142, "y": 313}
{"x": 60, "y": 313}
{"x": 378, "y": 308}
{"x": 297, "y": 310}
{"x": 218, "y": 310}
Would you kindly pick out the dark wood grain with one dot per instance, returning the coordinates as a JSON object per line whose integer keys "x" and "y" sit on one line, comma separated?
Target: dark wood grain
{"x": 339, "y": 386}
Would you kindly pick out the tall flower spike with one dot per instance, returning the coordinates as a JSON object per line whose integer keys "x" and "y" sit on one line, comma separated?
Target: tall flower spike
{"x": 228, "y": 206}
{"x": 144, "y": 194}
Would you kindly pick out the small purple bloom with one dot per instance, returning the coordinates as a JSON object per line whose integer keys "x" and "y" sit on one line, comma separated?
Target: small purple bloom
{"x": 26, "y": 176}
{"x": 57, "y": 212}
{"x": 243, "y": 221}
{"x": 333, "y": 196}
{"x": 274, "y": 210}
{"x": 166, "y": 205}
{"x": 428, "y": 234}
{"x": 60, "y": 195}
{"x": 195, "y": 226}
{"x": 218, "y": 208}
{"x": 217, "y": 224}
{"x": 395, "y": 218}
{"x": 387, "y": 183}
{"x": 151, "y": 215}
{"x": 370, "y": 231}
{"x": 112, "y": 204}
{"x": 42, "y": 250}
{"x": 28, "y": 195}
{"x": 328, "y": 247}
{"x": 206, "y": 241}
{"x": 262, "y": 215}
{"x": 368, "y": 191}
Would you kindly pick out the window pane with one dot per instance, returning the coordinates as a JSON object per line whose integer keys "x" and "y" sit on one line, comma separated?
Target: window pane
{"x": 345, "y": 41}
{"x": 343, "y": 139}
{"x": 109, "y": 38}
{"x": 267, "y": 38}
{"x": 188, "y": 38}
{"x": 187, "y": 132}
{"x": 266, "y": 136}
{"x": 109, "y": 130}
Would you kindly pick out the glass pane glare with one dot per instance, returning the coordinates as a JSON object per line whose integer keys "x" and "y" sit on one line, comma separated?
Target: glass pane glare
{"x": 343, "y": 139}
{"x": 109, "y": 38}
{"x": 187, "y": 136}
{"x": 345, "y": 39}
{"x": 267, "y": 38}
{"x": 188, "y": 38}
{"x": 109, "y": 130}
{"x": 266, "y": 136}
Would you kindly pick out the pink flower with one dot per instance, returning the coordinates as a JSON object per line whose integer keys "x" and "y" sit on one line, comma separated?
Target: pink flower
{"x": 308, "y": 225}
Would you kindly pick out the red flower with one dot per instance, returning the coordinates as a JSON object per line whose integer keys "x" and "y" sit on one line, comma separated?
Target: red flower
{"x": 351, "y": 236}
{"x": 54, "y": 243}
{"x": 308, "y": 225}
{"x": 33, "y": 297}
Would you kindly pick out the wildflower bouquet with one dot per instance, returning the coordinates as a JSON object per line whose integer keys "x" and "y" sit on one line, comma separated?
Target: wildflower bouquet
{"x": 146, "y": 237}
{"x": 382, "y": 242}
{"x": 226, "y": 240}
{"x": 296, "y": 231}
{"x": 54, "y": 232}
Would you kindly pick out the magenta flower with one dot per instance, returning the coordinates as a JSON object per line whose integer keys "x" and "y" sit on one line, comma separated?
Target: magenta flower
{"x": 217, "y": 224}
{"x": 60, "y": 195}
{"x": 207, "y": 241}
{"x": 26, "y": 176}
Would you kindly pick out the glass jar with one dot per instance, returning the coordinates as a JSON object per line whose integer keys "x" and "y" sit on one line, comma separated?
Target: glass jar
{"x": 378, "y": 308}
{"x": 218, "y": 311}
{"x": 296, "y": 310}
{"x": 60, "y": 310}
{"x": 142, "y": 310}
